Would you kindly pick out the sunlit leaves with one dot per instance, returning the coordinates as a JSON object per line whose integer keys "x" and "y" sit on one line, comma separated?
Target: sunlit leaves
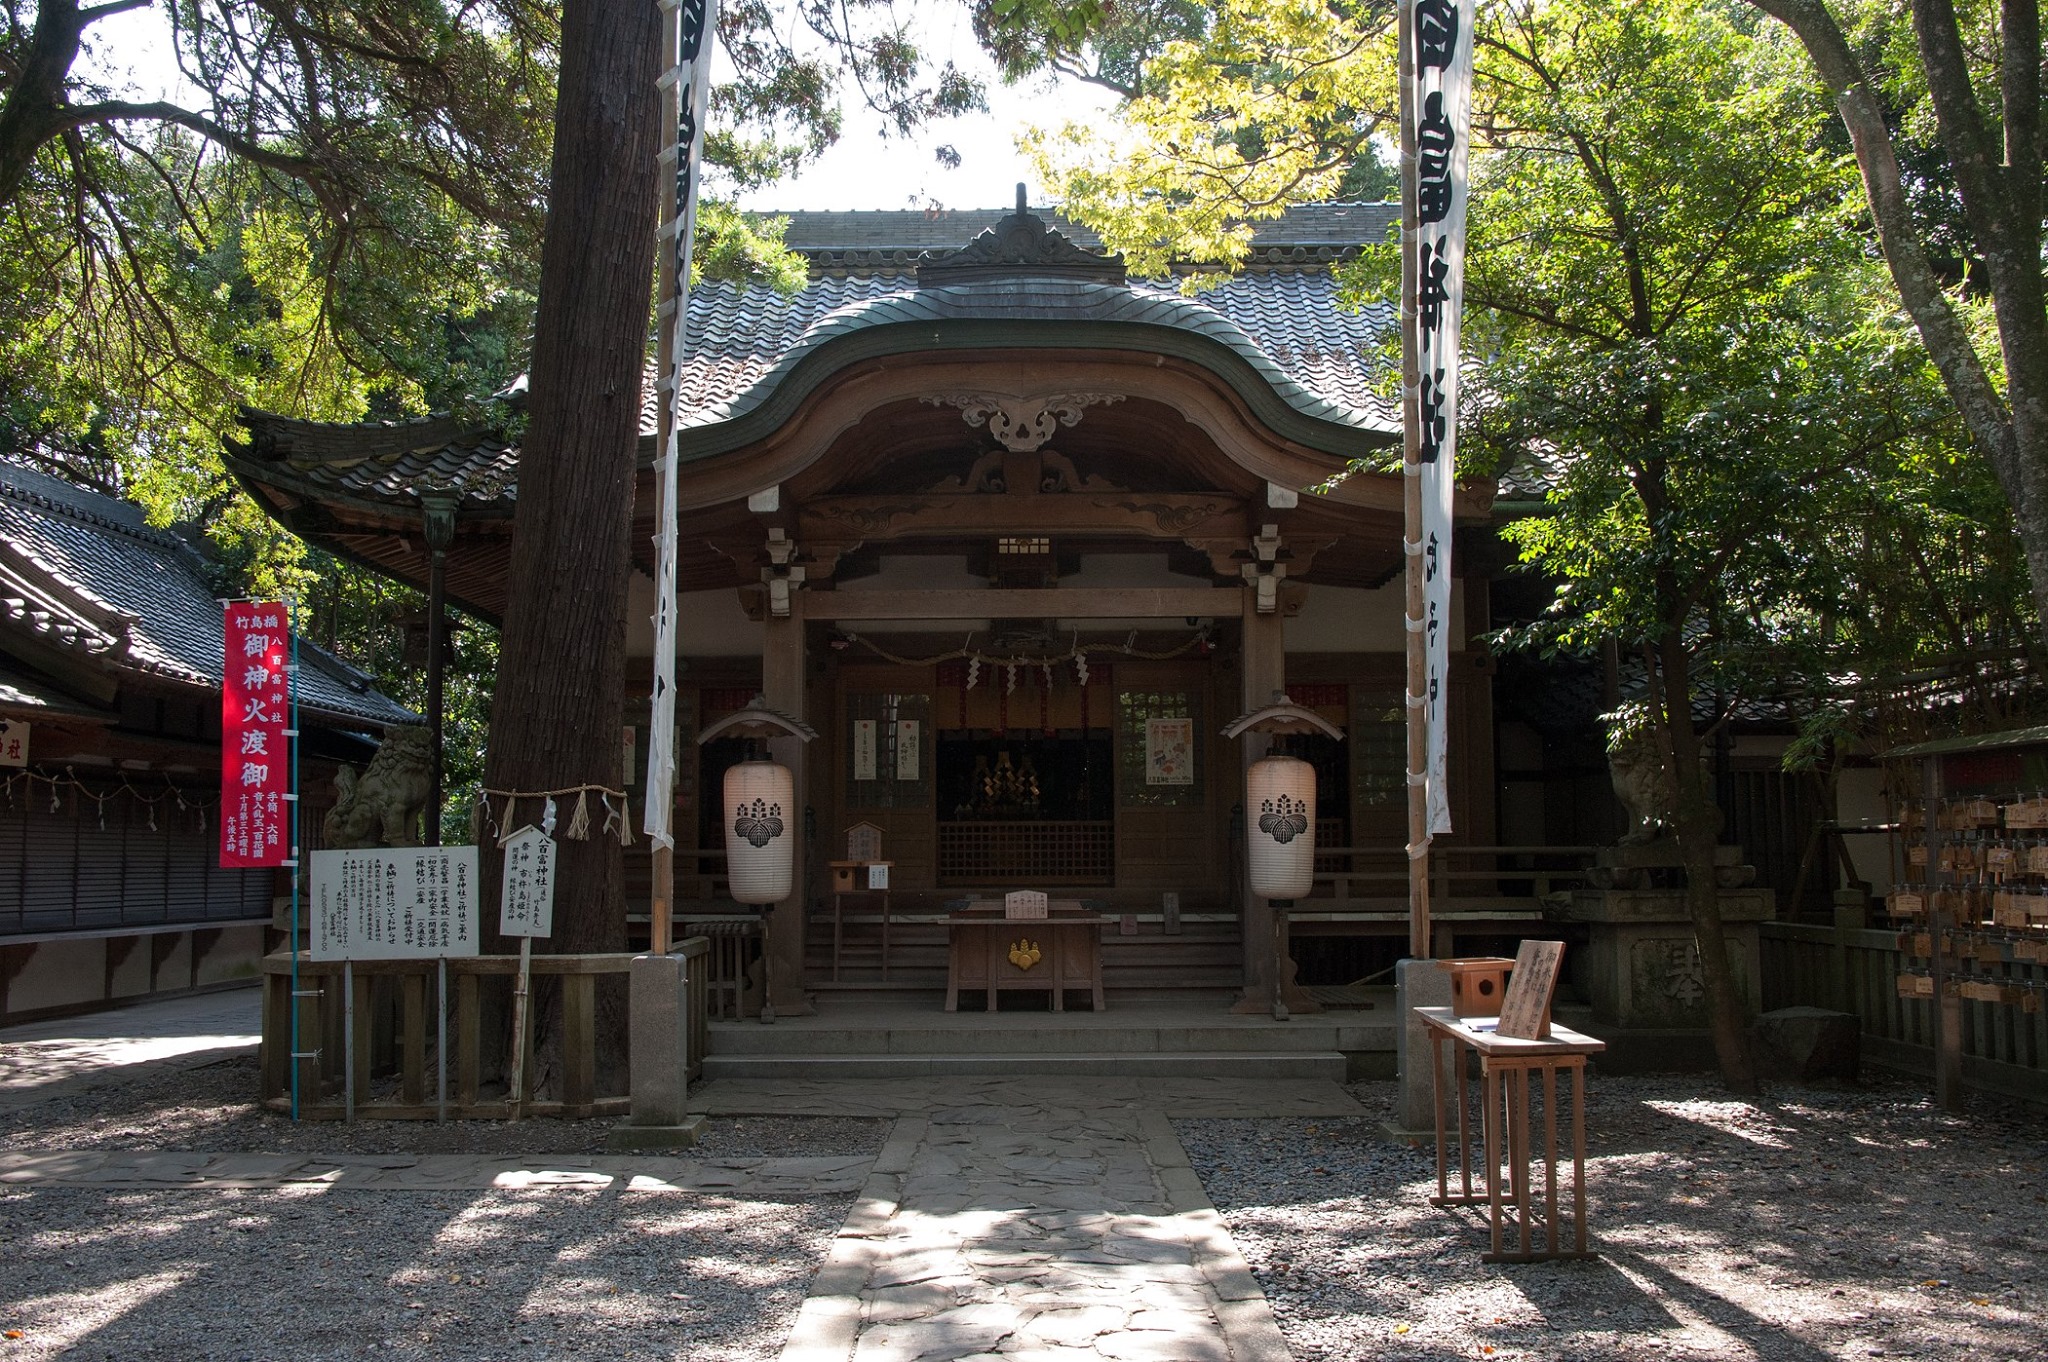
{"x": 1273, "y": 104}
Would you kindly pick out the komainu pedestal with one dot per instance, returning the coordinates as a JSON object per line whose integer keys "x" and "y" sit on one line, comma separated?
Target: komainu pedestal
{"x": 1640, "y": 967}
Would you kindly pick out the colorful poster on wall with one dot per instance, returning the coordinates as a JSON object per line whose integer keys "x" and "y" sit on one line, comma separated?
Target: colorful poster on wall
{"x": 1169, "y": 751}
{"x": 255, "y": 751}
{"x": 394, "y": 903}
{"x": 863, "y": 749}
{"x": 907, "y": 754}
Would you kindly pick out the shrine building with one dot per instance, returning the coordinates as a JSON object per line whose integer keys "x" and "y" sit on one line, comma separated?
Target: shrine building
{"x": 1019, "y": 536}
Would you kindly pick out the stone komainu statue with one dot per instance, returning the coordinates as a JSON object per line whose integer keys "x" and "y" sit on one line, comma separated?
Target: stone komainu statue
{"x": 382, "y": 806}
{"x": 1648, "y": 792}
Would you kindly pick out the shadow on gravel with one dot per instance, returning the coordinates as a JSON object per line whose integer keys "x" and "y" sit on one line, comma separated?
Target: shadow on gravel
{"x": 219, "y": 1276}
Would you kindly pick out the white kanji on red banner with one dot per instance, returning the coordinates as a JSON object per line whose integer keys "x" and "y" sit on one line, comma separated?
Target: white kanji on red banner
{"x": 255, "y": 749}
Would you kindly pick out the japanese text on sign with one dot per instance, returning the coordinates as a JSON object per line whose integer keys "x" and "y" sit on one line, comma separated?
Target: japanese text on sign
{"x": 394, "y": 903}
{"x": 255, "y": 753}
{"x": 528, "y": 906}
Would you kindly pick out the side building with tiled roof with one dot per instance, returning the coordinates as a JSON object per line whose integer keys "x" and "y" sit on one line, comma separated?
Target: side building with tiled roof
{"x": 110, "y": 719}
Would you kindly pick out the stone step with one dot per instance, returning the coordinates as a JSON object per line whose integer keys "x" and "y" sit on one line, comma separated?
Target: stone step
{"x": 1325, "y": 1064}
{"x": 1038, "y": 1034}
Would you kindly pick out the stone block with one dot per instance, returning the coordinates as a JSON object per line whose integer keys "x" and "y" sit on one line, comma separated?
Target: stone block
{"x": 1805, "y": 1043}
{"x": 659, "y": 1041}
{"x": 627, "y": 1138}
{"x": 1418, "y": 983}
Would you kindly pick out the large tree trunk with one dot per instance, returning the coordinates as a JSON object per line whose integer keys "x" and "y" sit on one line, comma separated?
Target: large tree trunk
{"x": 556, "y": 718}
{"x": 1697, "y": 821}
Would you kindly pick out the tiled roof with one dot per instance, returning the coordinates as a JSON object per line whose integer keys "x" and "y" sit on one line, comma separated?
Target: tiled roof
{"x": 742, "y": 339}
{"x": 1285, "y": 323}
{"x": 838, "y": 242}
{"x": 84, "y": 573}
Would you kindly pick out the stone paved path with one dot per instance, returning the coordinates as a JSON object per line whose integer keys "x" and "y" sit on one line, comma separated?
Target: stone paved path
{"x": 1036, "y": 1220}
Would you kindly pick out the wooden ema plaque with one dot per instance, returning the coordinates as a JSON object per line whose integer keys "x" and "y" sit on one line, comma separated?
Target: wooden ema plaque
{"x": 1525, "y": 1011}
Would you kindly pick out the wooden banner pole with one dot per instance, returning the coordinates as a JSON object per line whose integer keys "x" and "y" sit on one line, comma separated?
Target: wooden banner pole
{"x": 1411, "y": 508}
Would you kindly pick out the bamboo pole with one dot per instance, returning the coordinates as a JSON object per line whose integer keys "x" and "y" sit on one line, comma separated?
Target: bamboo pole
{"x": 661, "y": 907}
{"x": 1411, "y": 508}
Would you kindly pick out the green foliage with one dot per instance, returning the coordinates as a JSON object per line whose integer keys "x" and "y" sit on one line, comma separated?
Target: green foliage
{"x": 1273, "y": 102}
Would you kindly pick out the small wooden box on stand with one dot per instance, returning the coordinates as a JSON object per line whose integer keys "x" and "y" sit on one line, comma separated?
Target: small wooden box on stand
{"x": 1528, "y": 1219}
{"x": 862, "y": 872}
{"x": 1478, "y": 983}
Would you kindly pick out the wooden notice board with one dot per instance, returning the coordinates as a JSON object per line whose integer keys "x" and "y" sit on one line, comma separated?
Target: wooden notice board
{"x": 1525, "y": 1011}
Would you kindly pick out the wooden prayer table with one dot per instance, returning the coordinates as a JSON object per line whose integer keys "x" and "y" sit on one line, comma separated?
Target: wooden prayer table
{"x": 1069, "y": 944}
{"x": 1506, "y": 1066}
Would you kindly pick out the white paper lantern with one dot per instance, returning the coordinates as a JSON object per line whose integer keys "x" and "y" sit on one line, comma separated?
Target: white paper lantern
{"x": 759, "y": 813}
{"x": 1280, "y": 831}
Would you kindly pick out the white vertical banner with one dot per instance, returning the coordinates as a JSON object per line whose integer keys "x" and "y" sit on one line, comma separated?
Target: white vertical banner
{"x": 1441, "y": 50}
{"x": 687, "y": 73}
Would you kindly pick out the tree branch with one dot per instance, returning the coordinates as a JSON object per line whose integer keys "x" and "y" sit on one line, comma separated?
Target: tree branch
{"x": 1941, "y": 331}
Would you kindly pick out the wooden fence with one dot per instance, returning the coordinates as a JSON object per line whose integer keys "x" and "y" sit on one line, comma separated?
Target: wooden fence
{"x": 397, "y": 1031}
{"x": 1375, "y": 878}
{"x": 2005, "y": 1048}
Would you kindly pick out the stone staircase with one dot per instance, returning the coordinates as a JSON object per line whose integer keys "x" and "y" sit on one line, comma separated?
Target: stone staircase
{"x": 1206, "y": 954}
{"x": 1143, "y": 1033}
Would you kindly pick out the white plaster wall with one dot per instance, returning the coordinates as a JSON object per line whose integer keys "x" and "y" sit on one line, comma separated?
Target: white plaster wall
{"x": 1346, "y": 619}
{"x": 708, "y": 623}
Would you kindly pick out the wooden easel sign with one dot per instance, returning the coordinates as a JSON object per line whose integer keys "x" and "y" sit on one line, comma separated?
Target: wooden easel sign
{"x": 1525, "y": 1011}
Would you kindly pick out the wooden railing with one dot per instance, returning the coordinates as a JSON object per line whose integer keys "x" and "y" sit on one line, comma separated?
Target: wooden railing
{"x": 1038, "y": 851}
{"x": 1375, "y": 879}
{"x": 397, "y": 1066}
{"x": 2005, "y": 1048}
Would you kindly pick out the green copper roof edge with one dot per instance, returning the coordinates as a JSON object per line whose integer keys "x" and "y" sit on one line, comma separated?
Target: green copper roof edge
{"x": 789, "y": 386}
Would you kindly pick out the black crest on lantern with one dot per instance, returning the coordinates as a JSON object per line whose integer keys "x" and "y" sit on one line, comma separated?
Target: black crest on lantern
{"x": 1284, "y": 819}
{"x": 759, "y": 822}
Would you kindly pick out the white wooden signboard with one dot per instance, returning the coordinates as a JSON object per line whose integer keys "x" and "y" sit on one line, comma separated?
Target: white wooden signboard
{"x": 394, "y": 903}
{"x": 13, "y": 742}
{"x": 528, "y": 906}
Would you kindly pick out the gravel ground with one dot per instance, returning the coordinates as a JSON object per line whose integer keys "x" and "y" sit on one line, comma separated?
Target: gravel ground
{"x": 208, "y": 1108}
{"x": 255, "y": 1276}
{"x": 1819, "y": 1224}
{"x": 311, "y": 1273}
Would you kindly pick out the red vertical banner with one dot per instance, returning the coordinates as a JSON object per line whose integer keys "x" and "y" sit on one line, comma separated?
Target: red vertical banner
{"x": 255, "y": 752}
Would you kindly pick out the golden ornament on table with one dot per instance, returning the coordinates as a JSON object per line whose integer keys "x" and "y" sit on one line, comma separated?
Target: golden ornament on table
{"x": 1024, "y": 953}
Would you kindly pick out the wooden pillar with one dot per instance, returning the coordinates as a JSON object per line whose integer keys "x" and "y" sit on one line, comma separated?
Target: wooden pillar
{"x": 783, "y": 686}
{"x": 1264, "y": 671}
{"x": 438, "y": 510}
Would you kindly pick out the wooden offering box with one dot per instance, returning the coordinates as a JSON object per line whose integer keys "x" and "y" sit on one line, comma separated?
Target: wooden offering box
{"x": 992, "y": 953}
{"x": 1478, "y": 983}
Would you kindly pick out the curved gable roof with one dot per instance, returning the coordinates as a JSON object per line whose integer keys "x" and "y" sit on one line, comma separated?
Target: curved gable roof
{"x": 1293, "y": 357}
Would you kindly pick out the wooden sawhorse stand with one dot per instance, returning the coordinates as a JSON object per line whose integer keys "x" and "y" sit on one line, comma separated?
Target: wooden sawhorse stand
{"x": 1505, "y": 1068}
